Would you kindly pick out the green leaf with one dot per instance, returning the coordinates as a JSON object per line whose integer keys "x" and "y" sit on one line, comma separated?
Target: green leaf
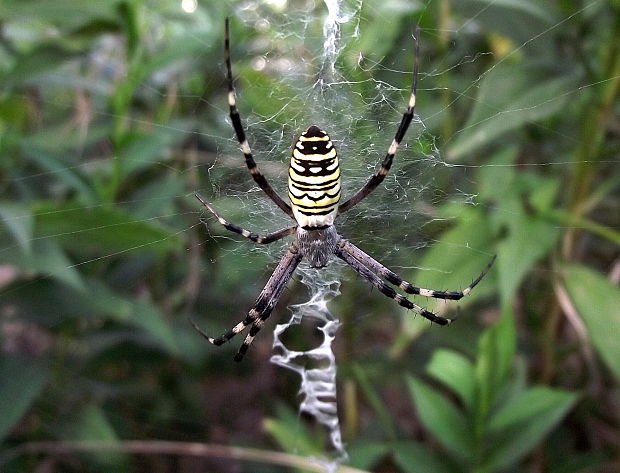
{"x": 21, "y": 381}
{"x": 48, "y": 258}
{"x": 93, "y": 425}
{"x": 18, "y": 219}
{"x": 441, "y": 418}
{"x": 412, "y": 457}
{"x": 532, "y": 403}
{"x": 508, "y": 98}
{"x": 458, "y": 257}
{"x": 102, "y": 230}
{"x": 496, "y": 350}
{"x": 291, "y": 434}
{"x": 456, "y": 372}
{"x": 366, "y": 455}
{"x": 524, "y": 422}
{"x": 598, "y": 302}
{"x": 375, "y": 401}
{"x": 64, "y": 171}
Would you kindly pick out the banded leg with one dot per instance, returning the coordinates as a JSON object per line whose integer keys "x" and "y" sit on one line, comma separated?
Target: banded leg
{"x": 378, "y": 177}
{"x": 239, "y": 131}
{"x": 395, "y": 279}
{"x": 263, "y": 306}
{"x": 387, "y": 290}
{"x": 270, "y": 238}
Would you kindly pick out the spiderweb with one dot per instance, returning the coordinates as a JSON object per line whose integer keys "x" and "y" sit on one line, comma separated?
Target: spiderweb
{"x": 360, "y": 112}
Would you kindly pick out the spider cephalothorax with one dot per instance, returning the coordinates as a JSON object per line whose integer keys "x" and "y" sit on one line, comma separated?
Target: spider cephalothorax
{"x": 314, "y": 194}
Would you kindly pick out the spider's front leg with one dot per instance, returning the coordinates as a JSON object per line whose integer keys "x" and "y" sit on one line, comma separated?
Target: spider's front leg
{"x": 409, "y": 288}
{"x": 386, "y": 164}
{"x": 269, "y": 238}
{"x": 235, "y": 118}
{"x": 263, "y": 306}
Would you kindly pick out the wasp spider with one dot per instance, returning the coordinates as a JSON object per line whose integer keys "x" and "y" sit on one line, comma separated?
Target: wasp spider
{"x": 314, "y": 194}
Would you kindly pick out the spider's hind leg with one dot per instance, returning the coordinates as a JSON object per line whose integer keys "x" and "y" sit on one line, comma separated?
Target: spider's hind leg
{"x": 384, "y": 288}
{"x": 263, "y": 306}
{"x": 393, "y": 278}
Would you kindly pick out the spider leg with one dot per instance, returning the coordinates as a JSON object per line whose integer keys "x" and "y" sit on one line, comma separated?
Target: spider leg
{"x": 269, "y": 238}
{"x": 263, "y": 306}
{"x": 387, "y": 290}
{"x": 395, "y": 279}
{"x": 239, "y": 131}
{"x": 378, "y": 177}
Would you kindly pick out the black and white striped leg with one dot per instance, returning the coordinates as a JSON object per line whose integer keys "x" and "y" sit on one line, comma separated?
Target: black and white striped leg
{"x": 263, "y": 306}
{"x": 378, "y": 177}
{"x": 387, "y": 290}
{"x": 270, "y": 238}
{"x": 239, "y": 131}
{"x": 395, "y": 279}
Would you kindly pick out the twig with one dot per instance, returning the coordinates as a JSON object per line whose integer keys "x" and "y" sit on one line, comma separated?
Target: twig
{"x": 193, "y": 449}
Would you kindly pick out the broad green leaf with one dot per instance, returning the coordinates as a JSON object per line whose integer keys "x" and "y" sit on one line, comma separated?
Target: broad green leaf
{"x": 93, "y": 425}
{"x": 523, "y": 429}
{"x": 139, "y": 313}
{"x": 598, "y": 302}
{"x": 375, "y": 401}
{"x": 44, "y": 58}
{"x": 144, "y": 150}
{"x": 509, "y": 7}
{"x": 456, "y": 372}
{"x": 516, "y": 253}
{"x": 366, "y": 455}
{"x": 413, "y": 457}
{"x": 47, "y": 258}
{"x": 102, "y": 231}
{"x": 18, "y": 219}
{"x": 61, "y": 170}
{"x": 458, "y": 257}
{"x": 440, "y": 417}
{"x": 508, "y": 98}
{"x": 291, "y": 434}
{"x": 532, "y": 403}
{"x": 496, "y": 350}
{"x": 21, "y": 381}
{"x": 69, "y": 13}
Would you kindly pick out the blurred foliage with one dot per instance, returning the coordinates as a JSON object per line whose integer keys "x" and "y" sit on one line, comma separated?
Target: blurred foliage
{"x": 113, "y": 113}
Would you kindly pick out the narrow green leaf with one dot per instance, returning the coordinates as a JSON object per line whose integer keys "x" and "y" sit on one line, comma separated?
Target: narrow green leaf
{"x": 507, "y": 99}
{"x": 19, "y": 221}
{"x": 93, "y": 425}
{"x": 456, "y": 372}
{"x": 598, "y": 302}
{"x": 375, "y": 401}
{"x": 102, "y": 230}
{"x": 533, "y": 402}
{"x": 441, "y": 418}
{"x": 496, "y": 350}
{"x": 523, "y": 430}
{"x": 21, "y": 381}
{"x": 48, "y": 258}
{"x": 291, "y": 434}
{"x": 413, "y": 457}
{"x": 366, "y": 455}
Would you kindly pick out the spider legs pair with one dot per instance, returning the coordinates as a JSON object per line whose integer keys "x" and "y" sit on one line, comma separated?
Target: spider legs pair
{"x": 365, "y": 265}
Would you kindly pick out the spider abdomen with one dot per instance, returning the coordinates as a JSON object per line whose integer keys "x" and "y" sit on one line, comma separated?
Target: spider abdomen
{"x": 314, "y": 180}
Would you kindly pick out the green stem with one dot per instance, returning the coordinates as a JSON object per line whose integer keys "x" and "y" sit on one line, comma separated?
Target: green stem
{"x": 595, "y": 121}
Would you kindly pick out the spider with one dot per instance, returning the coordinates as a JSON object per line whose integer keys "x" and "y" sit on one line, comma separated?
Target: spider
{"x": 314, "y": 195}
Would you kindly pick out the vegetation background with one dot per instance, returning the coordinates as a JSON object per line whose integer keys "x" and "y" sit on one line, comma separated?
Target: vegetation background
{"x": 113, "y": 113}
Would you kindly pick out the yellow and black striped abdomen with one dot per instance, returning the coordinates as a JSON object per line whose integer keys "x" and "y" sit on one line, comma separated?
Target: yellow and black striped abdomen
{"x": 314, "y": 180}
